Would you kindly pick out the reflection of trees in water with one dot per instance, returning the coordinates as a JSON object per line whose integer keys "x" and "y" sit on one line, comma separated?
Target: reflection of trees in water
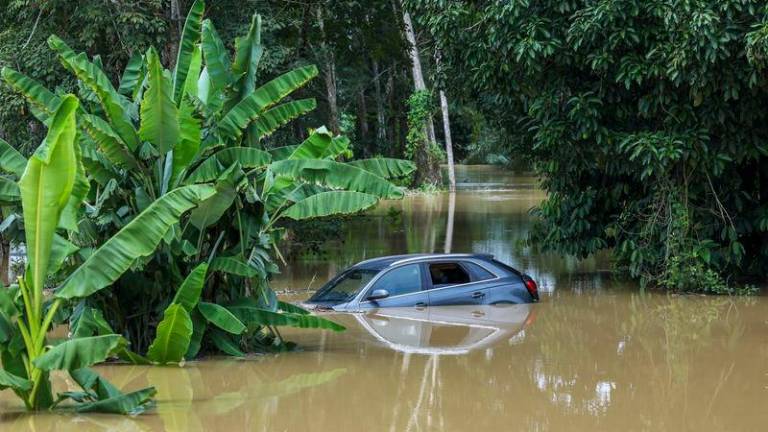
{"x": 664, "y": 363}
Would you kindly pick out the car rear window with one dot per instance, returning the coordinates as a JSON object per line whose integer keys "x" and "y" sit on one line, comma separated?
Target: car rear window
{"x": 478, "y": 273}
{"x": 444, "y": 274}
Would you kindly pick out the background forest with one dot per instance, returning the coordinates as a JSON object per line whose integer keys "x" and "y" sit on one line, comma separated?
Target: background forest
{"x": 645, "y": 119}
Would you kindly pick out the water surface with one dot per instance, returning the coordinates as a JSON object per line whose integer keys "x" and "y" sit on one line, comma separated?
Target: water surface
{"x": 594, "y": 355}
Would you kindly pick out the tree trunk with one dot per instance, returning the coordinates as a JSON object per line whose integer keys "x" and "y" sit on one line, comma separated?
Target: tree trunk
{"x": 362, "y": 118}
{"x": 429, "y": 169}
{"x": 446, "y": 131}
{"x": 329, "y": 72}
{"x": 449, "y": 224}
{"x": 381, "y": 120}
{"x": 174, "y": 35}
{"x": 448, "y": 141}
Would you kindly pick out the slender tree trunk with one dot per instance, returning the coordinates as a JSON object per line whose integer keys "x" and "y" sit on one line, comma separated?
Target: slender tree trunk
{"x": 329, "y": 72}
{"x": 429, "y": 169}
{"x": 174, "y": 34}
{"x": 448, "y": 141}
{"x": 362, "y": 116}
{"x": 381, "y": 121}
{"x": 446, "y": 131}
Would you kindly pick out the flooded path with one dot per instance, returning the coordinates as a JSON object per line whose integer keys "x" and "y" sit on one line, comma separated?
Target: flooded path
{"x": 594, "y": 355}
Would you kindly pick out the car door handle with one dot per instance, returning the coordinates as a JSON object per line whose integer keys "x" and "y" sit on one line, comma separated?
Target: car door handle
{"x": 478, "y": 294}
{"x": 421, "y": 305}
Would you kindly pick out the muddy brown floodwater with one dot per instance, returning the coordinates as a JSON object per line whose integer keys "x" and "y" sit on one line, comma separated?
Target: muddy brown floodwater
{"x": 595, "y": 355}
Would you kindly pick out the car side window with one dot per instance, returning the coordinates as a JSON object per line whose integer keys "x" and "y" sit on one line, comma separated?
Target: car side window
{"x": 446, "y": 274}
{"x": 478, "y": 272}
{"x": 399, "y": 281}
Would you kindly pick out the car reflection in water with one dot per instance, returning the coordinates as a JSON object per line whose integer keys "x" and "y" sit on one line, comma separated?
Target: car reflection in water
{"x": 448, "y": 330}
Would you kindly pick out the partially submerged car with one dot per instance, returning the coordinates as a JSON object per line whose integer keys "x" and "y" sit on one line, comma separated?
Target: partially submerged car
{"x": 423, "y": 280}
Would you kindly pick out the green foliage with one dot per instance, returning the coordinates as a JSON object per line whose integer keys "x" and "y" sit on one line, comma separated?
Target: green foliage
{"x": 48, "y": 186}
{"x": 183, "y": 186}
{"x": 644, "y": 119}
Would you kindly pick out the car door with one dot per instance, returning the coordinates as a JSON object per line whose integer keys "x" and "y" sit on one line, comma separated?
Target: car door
{"x": 404, "y": 287}
{"x": 451, "y": 283}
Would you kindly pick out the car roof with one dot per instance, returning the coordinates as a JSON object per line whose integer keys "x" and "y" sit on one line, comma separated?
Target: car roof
{"x": 381, "y": 263}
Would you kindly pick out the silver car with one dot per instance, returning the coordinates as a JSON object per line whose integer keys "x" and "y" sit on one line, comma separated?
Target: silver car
{"x": 425, "y": 280}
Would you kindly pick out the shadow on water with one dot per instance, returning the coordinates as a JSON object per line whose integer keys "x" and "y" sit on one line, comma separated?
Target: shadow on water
{"x": 594, "y": 355}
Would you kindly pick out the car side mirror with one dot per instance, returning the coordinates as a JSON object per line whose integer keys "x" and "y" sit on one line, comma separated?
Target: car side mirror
{"x": 378, "y": 294}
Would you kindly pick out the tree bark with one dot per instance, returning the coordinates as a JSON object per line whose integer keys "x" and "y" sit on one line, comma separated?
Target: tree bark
{"x": 381, "y": 120}
{"x": 429, "y": 169}
{"x": 329, "y": 72}
{"x": 447, "y": 132}
{"x": 362, "y": 116}
{"x": 174, "y": 34}
{"x": 448, "y": 141}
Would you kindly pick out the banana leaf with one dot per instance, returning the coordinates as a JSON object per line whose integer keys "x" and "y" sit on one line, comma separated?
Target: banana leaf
{"x": 234, "y": 266}
{"x": 250, "y": 108}
{"x": 137, "y": 239}
{"x": 220, "y": 317}
{"x": 40, "y": 98}
{"x": 133, "y": 75}
{"x": 190, "y": 37}
{"x": 217, "y": 66}
{"x": 189, "y": 292}
{"x": 337, "y": 176}
{"x": 387, "y": 168}
{"x": 159, "y": 114}
{"x": 330, "y": 203}
{"x": 45, "y": 189}
{"x": 132, "y": 403}
{"x": 97, "y": 81}
{"x": 81, "y": 352}
{"x": 173, "y": 336}
{"x": 11, "y": 161}
{"x": 9, "y": 380}
{"x": 108, "y": 141}
{"x": 274, "y": 118}
{"x": 213, "y": 167}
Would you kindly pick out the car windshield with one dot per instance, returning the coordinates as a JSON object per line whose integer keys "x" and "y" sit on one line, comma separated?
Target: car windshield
{"x": 345, "y": 287}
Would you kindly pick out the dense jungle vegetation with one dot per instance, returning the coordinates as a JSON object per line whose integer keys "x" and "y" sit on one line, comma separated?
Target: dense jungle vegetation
{"x": 153, "y": 153}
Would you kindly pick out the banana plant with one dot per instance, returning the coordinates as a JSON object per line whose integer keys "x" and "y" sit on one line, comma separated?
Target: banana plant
{"x": 47, "y": 188}
{"x": 204, "y": 122}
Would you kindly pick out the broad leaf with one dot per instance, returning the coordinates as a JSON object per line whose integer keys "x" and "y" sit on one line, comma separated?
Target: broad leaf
{"x": 127, "y": 404}
{"x": 245, "y": 310}
{"x": 90, "y": 381}
{"x": 317, "y": 146}
{"x": 234, "y": 266}
{"x": 217, "y": 65}
{"x": 330, "y": 203}
{"x": 199, "y": 326}
{"x": 46, "y": 187}
{"x": 387, "y": 168}
{"x": 212, "y": 209}
{"x": 275, "y": 117}
{"x": 61, "y": 249}
{"x": 137, "y": 239}
{"x": 40, "y": 98}
{"x": 173, "y": 336}
{"x": 159, "y": 114}
{"x": 221, "y": 317}
{"x": 95, "y": 79}
{"x": 9, "y": 190}
{"x": 80, "y": 353}
{"x": 133, "y": 75}
{"x": 336, "y": 175}
{"x": 224, "y": 342}
{"x": 189, "y": 293}
{"x": 190, "y": 37}
{"x": 280, "y": 153}
{"x": 264, "y": 97}
{"x": 291, "y": 308}
{"x": 9, "y": 380}
{"x": 248, "y": 52}
{"x": 189, "y": 141}
{"x": 213, "y": 167}
{"x": 108, "y": 141}
{"x": 11, "y": 161}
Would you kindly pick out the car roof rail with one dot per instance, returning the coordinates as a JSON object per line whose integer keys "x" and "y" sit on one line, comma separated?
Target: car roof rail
{"x": 443, "y": 255}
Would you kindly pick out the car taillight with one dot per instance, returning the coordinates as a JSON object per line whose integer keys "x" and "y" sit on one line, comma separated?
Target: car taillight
{"x": 530, "y": 285}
